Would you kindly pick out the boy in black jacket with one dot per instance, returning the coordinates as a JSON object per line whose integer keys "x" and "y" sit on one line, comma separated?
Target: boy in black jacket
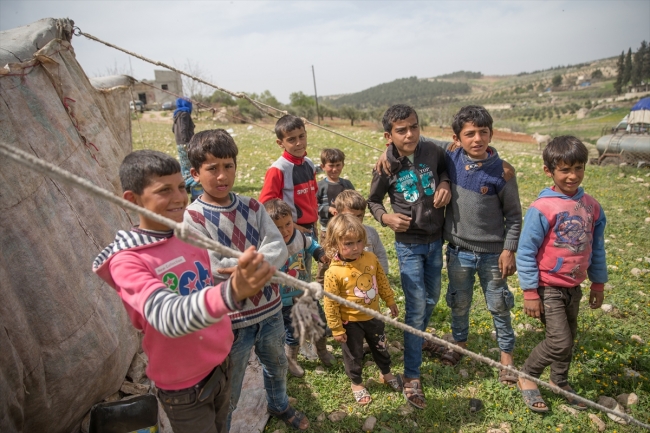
{"x": 418, "y": 187}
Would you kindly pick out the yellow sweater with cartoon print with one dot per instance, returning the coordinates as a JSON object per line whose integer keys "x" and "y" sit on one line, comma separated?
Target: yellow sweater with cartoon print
{"x": 362, "y": 281}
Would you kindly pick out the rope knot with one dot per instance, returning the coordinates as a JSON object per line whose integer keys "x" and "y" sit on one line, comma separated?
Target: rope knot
{"x": 316, "y": 290}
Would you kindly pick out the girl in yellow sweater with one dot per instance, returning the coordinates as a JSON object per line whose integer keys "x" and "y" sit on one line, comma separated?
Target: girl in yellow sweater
{"x": 356, "y": 275}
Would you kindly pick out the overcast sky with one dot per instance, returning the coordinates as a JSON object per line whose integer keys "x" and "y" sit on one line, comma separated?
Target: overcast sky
{"x": 257, "y": 45}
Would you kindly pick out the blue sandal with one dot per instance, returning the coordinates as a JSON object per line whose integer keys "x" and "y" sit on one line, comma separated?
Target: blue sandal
{"x": 291, "y": 417}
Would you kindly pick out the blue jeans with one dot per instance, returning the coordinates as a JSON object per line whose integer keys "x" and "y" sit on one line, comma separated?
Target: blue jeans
{"x": 462, "y": 266}
{"x": 420, "y": 266}
{"x": 268, "y": 338}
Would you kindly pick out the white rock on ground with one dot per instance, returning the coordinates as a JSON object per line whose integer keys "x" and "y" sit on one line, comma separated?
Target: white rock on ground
{"x": 628, "y": 400}
{"x": 610, "y": 403}
{"x": 137, "y": 368}
{"x": 631, "y": 373}
{"x": 607, "y": 308}
{"x": 636, "y": 272}
{"x": 321, "y": 417}
{"x": 569, "y": 409}
{"x": 638, "y": 339}
{"x": 599, "y": 423}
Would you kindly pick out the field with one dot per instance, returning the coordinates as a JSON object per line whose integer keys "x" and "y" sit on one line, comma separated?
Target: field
{"x": 604, "y": 353}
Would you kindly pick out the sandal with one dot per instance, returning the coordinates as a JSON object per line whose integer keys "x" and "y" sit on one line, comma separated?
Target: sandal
{"x": 413, "y": 393}
{"x": 532, "y": 396}
{"x": 291, "y": 417}
{"x": 395, "y": 383}
{"x": 361, "y": 394}
{"x": 507, "y": 378}
{"x": 433, "y": 349}
{"x": 451, "y": 358}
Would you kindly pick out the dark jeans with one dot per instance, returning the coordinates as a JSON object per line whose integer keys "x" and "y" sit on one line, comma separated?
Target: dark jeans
{"x": 560, "y": 316}
{"x": 202, "y": 408}
{"x": 373, "y": 331}
{"x": 290, "y": 340}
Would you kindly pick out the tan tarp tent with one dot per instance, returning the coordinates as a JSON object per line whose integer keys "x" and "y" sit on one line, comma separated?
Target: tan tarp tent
{"x": 65, "y": 340}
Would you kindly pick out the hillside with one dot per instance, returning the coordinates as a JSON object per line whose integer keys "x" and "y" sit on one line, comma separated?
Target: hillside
{"x": 525, "y": 102}
{"x": 413, "y": 91}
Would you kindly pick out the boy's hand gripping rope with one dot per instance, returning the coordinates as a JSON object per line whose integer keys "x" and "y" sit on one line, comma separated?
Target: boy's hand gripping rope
{"x": 309, "y": 324}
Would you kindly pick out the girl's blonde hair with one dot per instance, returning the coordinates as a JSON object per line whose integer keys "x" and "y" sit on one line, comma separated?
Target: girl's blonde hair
{"x": 340, "y": 226}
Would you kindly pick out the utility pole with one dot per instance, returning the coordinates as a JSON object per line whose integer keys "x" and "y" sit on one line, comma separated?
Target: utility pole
{"x": 315, "y": 94}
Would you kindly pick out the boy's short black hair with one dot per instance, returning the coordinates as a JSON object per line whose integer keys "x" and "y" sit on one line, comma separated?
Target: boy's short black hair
{"x": 396, "y": 113}
{"x": 331, "y": 156}
{"x": 287, "y": 123}
{"x": 566, "y": 149}
{"x": 277, "y": 209}
{"x": 216, "y": 142}
{"x": 475, "y": 114}
{"x": 140, "y": 166}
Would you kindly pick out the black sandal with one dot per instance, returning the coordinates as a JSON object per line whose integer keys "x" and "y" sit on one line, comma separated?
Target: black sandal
{"x": 291, "y": 417}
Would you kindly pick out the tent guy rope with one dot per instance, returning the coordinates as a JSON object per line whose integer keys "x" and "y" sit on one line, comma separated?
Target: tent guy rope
{"x": 305, "y": 315}
{"x": 264, "y": 108}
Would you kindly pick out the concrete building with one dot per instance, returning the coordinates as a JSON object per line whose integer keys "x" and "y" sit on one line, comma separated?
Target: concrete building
{"x": 154, "y": 98}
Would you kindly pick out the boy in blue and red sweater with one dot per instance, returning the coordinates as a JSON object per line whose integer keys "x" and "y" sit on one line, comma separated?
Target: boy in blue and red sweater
{"x": 562, "y": 243}
{"x": 482, "y": 225}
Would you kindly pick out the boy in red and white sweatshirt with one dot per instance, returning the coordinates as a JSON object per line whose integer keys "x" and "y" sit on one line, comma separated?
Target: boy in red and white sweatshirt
{"x": 167, "y": 290}
{"x": 292, "y": 177}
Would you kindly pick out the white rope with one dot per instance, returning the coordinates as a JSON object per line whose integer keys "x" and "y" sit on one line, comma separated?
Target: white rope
{"x": 313, "y": 290}
{"x": 258, "y": 104}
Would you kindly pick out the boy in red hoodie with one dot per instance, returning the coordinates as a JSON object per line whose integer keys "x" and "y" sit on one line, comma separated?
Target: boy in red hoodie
{"x": 167, "y": 290}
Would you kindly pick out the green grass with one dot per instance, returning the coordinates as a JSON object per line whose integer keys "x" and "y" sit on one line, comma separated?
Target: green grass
{"x": 603, "y": 349}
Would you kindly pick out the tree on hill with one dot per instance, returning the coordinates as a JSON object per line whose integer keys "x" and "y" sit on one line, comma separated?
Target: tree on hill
{"x": 627, "y": 71}
{"x": 351, "y": 113}
{"x": 645, "y": 69}
{"x": 219, "y": 97}
{"x": 620, "y": 72}
{"x": 302, "y": 105}
{"x": 637, "y": 66}
{"x": 557, "y": 80}
{"x": 597, "y": 74}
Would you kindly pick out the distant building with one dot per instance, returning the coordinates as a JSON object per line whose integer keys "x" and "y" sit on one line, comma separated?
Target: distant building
{"x": 154, "y": 98}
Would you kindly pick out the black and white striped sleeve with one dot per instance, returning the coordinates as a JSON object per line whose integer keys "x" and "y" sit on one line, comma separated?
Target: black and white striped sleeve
{"x": 174, "y": 315}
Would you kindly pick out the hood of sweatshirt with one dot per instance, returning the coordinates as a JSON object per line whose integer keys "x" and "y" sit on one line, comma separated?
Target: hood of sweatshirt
{"x": 551, "y": 192}
{"x": 127, "y": 240}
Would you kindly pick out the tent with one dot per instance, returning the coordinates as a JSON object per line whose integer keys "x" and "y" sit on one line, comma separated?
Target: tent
{"x": 65, "y": 340}
{"x": 640, "y": 112}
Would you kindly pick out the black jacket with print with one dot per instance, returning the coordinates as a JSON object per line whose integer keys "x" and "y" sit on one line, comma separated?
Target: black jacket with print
{"x": 411, "y": 187}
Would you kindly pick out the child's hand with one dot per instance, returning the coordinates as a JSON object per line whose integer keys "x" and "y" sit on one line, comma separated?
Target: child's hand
{"x": 324, "y": 259}
{"x": 394, "y": 312}
{"x": 596, "y": 299}
{"x": 507, "y": 263}
{"x": 343, "y": 338}
{"x": 333, "y": 211}
{"x": 442, "y": 195}
{"x": 533, "y": 308}
{"x": 383, "y": 164}
{"x": 396, "y": 221}
{"x": 250, "y": 275}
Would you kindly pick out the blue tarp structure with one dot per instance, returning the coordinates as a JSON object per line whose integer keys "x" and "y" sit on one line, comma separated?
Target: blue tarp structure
{"x": 643, "y": 104}
{"x": 640, "y": 113}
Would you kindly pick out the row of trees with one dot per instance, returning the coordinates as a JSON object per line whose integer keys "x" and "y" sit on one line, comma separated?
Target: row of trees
{"x": 633, "y": 69}
{"x": 300, "y": 105}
